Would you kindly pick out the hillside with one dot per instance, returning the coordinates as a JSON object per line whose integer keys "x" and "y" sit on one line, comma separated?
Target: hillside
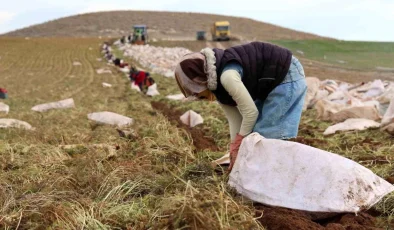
{"x": 161, "y": 25}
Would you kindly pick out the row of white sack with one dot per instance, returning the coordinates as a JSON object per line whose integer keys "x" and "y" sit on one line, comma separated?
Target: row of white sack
{"x": 371, "y": 93}
{"x": 353, "y": 107}
{"x": 190, "y": 118}
{"x": 387, "y": 123}
{"x": 160, "y": 60}
{"x": 63, "y": 104}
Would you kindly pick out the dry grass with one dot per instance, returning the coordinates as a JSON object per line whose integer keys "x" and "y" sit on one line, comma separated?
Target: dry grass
{"x": 155, "y": 180}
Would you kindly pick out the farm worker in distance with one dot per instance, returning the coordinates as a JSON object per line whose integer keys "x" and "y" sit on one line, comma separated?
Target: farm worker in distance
{"x": 260, "y": 86}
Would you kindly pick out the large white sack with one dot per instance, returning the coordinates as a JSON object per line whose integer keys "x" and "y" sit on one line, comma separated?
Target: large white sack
{"x": 191, "y": 118}
{"x": 13, "y": 123}
{"x": 63, "y": 104}
{"x": 292, "y": 175}
{"x": 352, "y": 124}
{"x": 4, "y": 108}
{"x": 152, "y": 90}
{"x": 376, "y": 89}
{"x": 313, "y": 84}
{"x": 176, "y": 97}
{"x": 110, "y": 118}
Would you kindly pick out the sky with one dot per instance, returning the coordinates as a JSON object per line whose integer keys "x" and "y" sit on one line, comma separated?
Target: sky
{"x": 359, "y": 20}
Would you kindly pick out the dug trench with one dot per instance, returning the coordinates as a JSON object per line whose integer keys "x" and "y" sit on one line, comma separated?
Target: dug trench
{"x": 275, "y": 218}
{"x": 200, "y": 140}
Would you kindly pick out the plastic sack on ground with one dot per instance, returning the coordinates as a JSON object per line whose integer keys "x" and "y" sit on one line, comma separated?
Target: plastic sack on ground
{"x": 176, "y": 97}
{"x": 13, "y": 123}
{"x": 376, "y": 89}
{"x": 110, "y": 118}
{"x": 106, "y": 85}
{"x": 152, "y": 90}
{"x": 4, "y": 108}
{"x": 102, "y": 71}
{"x": 352, "y": 124}
{"x": 293, "y": 175}
{"x": 368, "y": 112}
{"x": 64, "y": 104}
{"x": 191, "y": 118}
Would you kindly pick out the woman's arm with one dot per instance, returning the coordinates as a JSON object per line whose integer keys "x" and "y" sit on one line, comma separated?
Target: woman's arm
{"x": 231, "y": 81}
{"x": 234, "y": 119}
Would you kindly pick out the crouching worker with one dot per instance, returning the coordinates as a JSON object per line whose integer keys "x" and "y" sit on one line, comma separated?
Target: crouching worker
{"x": 260, "y": 86}
{"x": 141, "y": 79}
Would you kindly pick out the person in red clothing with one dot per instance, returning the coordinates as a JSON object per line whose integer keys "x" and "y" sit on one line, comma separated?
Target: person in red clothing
{"x": 3, "y": 93}
{"x": 141, "y": 78}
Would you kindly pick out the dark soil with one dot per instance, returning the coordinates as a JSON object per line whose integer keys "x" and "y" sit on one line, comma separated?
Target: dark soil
{"x": 200, "y": 140}
{"x": 274, "y": 218}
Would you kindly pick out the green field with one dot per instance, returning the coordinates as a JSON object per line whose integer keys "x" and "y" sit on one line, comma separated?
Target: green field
{"x": 359, "y": 55}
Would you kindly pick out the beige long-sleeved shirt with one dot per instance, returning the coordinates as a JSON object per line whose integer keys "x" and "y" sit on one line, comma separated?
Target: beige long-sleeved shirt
{"x": 241, "y": 118}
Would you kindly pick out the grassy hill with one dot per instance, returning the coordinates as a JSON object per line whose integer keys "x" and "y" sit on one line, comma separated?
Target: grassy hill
{"x": 161, "y": 25}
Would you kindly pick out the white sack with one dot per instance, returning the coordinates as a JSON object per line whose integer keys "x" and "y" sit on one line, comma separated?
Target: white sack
{"x": 125, "y": 70}
{"x": 102, "y": 71}
{"x": 152, "y": 90}
{"x": 176, "y": 97}
{"x": 106, "y": 85}
{"x": 191, "y": 118}
{"x": 76, "y": 63}
{"x": 4, "y": 108}
{"x": 351, "y": 124}
{"x": 293, "y": 175}
{"x": 376, "y": 89}
{"x": 110, "y": 118}
{"x": 13, "y": 123}
{"x": 64, "y": 104}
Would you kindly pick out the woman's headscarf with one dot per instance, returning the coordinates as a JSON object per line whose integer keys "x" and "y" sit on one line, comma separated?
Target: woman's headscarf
{"x": 190, "y": 74}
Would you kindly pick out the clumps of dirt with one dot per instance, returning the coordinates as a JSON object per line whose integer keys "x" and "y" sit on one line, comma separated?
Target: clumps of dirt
{"x": 310, "y": 141}
{"x": 200, "y": 141}
{"x": 376, "y": 160}
{"x": 275, "y": 218}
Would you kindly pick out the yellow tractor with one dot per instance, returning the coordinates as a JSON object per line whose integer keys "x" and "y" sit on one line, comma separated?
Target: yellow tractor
{"x": 221, "y": 31}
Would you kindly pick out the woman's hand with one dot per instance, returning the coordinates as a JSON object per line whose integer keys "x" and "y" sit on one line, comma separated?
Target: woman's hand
{"x": 234, "y": 148}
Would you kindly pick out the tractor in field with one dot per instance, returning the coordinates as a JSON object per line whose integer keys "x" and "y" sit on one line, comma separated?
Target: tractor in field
{"x": 201, "y": 35}
{"x": 140, "y": 35}
{"x": 221, "y": 31}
